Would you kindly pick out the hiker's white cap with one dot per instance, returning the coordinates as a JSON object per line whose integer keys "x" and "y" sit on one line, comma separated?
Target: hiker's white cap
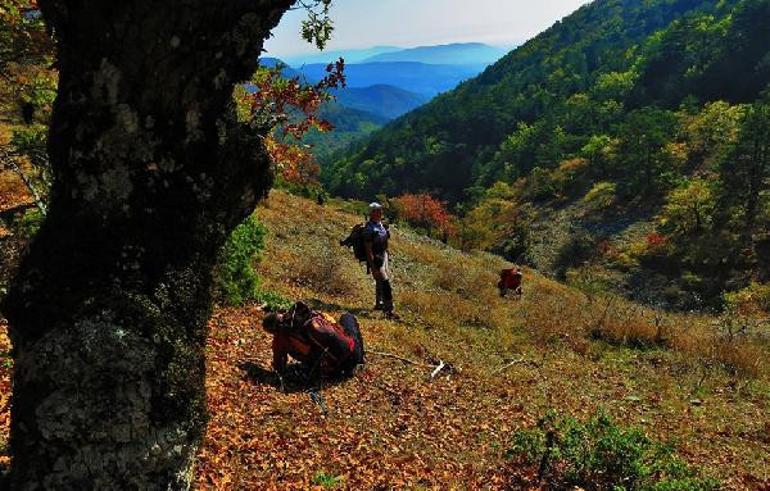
{"x": 375, "y": 206}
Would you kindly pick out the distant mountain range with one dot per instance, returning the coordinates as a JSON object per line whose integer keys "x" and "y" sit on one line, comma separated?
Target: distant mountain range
{"x": 383, "y": 83}
{"x": 286, "y": 70}
{"x": 428, "y": 80}
{"x": 395, "y": 80}
{"x": 350, "y": 55}
{"x": 448, "y": 54}
{"x": 382, "y": 100}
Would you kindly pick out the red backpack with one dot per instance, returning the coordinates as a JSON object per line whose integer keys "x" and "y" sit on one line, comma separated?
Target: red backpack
{"x": 510, "y": 278}
{"x": 320, "y": 332}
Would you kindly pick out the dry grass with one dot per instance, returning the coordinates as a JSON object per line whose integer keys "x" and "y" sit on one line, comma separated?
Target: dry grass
{"x": 592, "y": 351}
{"x": 455, "y": 276}
{"x": 322, "y": 268}
{"x": 745, "y": 358}
{"x": 443, "y": 284}
{"x": 454, "y": 292}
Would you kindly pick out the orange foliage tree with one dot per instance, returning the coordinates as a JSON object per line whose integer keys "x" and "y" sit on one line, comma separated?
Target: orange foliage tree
{"x": 291, "y": 109}
{"x": 27, "y": 89}
{"x": 425, "y": 211}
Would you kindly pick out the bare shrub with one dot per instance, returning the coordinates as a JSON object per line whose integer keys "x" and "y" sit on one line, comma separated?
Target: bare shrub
{"x": 738, "y": 345}
{"x": 447, "y": 311}
{"x": 470, "y": 283}
{"x": 626, "y": 326}
{"x": 740, "y": 357}
{"x": 320, "y": 266}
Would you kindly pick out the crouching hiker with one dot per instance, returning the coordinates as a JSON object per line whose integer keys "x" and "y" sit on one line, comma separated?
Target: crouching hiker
{"x": 325, "y": 346}
{"x": 510, "y": 280}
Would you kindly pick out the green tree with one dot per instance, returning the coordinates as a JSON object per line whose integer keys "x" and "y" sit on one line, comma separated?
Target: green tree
{"x": 599, "y": 150}
{"x": 712, "y": 131}
{"x": 614, "y": 86}
{"x": 689, "y": 208}
{"x": 746, "y": 171}
{"x": 642, "y": 151}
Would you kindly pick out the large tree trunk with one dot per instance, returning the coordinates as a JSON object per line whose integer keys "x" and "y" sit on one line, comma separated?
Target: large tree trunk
{"x": 108, "y": 312}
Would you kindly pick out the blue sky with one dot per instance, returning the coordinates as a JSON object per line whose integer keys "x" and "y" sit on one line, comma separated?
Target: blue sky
{"x": 408, "y": 23}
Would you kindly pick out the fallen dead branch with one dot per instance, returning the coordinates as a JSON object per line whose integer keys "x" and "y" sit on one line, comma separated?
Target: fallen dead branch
{"x": 437, "y": 368}
{"x": 440, "y": 367}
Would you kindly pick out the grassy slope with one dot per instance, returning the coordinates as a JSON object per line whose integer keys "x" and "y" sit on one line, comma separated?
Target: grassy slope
{"x": 393, "y": 426}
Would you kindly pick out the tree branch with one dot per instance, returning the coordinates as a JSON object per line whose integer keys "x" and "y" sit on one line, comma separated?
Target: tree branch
{"x": 9, "y": 162}
{"x": 436, "y": 368}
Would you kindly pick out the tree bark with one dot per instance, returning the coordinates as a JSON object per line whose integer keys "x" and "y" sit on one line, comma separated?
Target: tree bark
{"x": 152, "y": 170}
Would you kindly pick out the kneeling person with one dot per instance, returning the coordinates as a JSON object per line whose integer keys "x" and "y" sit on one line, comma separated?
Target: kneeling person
{"x": 510, "y": 280}
{"x": 325, "y": 346}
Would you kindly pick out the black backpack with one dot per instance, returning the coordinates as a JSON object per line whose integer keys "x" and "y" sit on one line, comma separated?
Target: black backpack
{"x": 356, "y": 241}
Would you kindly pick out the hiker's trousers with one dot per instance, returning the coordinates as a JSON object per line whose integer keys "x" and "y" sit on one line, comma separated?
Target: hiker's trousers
{"x": 350, "y": 326}
{"x": 383, "y": 290}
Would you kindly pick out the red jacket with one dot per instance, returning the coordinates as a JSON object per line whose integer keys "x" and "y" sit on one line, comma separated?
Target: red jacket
{"x": 320, "y": 342}
{"x": 510, "y": 278}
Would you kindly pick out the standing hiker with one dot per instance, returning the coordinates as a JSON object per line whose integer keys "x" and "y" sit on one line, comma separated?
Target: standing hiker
{"x": 323, "y": 345}
{"x": 376, "y": 236}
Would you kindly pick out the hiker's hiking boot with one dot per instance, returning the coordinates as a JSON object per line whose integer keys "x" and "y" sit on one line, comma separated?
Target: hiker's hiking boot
{"x": 392, "y": 315}
{"x": 379, "y": 306}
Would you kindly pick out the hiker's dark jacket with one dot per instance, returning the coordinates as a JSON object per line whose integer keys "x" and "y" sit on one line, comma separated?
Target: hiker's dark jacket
{"x": 318, "y": 342}
{"x": 378, "y": 235}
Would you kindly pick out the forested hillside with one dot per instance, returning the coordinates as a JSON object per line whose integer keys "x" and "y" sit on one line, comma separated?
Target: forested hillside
{"x": 618, "y": 138}
{"x": 382, "y": 100}
{"x": 350, "y": 124}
